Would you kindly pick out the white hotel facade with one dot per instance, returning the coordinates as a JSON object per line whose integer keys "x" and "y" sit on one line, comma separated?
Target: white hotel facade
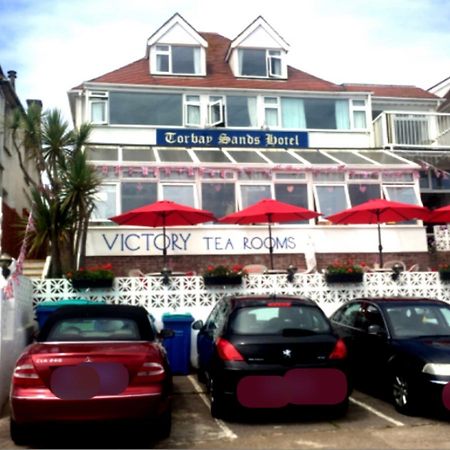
{"x": 219, "y": 124}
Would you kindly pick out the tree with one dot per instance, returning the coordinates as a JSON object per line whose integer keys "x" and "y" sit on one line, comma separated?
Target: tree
{"x": 63, "y": 193}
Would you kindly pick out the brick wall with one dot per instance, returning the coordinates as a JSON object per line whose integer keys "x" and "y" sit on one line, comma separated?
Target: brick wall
{"x": 198, "y": 263}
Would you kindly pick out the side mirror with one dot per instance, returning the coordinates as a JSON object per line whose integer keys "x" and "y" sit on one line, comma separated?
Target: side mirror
{"x": 197, "y": 325}
{"x": 166, "y": 333}
{"x": 376, "y": 330}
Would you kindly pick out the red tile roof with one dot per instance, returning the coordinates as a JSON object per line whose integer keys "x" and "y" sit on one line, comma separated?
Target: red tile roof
{"x": 387, "y": 90}
{"x": 219, "y": 75}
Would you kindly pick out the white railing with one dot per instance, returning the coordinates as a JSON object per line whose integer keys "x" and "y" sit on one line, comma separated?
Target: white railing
{"x": 441, "y": 238}
{"x": 189, "y": 295}
{"x": 412, "y": 129}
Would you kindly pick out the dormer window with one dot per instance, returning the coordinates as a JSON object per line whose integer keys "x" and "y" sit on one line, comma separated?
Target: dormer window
{"x": 260, "y": 63}
{"x": 177, "y": 59}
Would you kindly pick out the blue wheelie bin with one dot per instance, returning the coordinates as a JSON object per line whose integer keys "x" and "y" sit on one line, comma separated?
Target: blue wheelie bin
{"x": 44, "y": 309}
{"x": 179, "y": 346}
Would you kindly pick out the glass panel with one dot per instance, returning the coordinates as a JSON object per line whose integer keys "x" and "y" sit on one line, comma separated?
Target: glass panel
{"x": 219, "y": 198}
{"x": 315, "y": 157}
{"x": 359, "y": 119}
{"x": 134, "y": 195}
{"x": 439, "y": 182}
{"x": 290, "y": 176}
{"x": 240, "y": 111}
{"x": 359, "y": 102}
{"x": 101, "y": 154}
{"x": 271, "y": 117}
{"x": 105, "y": 203}
{"x": 397, "y": 178}
{"x": 253, "y": 193}
{"x": 382, "y": 157}
{"x": 138, "y": 108}
{"x": 98, "y": 111}
{"x": 246, "y": 156}
{"x": 295, "y": 194}
{"x": 252, "y": 62}
{"x": 327, "y": 177}
{"x": 360, "y": 193}
{"x": 403, "y": 194}
{"x": 424, "y": 180}
{"x": 183, "y": 59}
{"x": 281, "y": 157}
{"x": 293, "y": 113}
{"x": 179, "y": 193}
{"x": 331, "y": 199}
{"x": 211, "y": 156}
{"x": 174, "y": 155}
{"x": 193, "y": 115}
{"x": 162, "y": 63}
{"x": 349, "y": 157}
{"x": 138, "y": 154}
{"x": 320, "y": 113}
{"x": 275, "y": 66}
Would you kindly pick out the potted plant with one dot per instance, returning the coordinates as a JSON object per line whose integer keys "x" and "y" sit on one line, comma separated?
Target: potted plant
{"x": 223, "y": 275}
{"x": 100, "y": 276}
{"x": 344, "y": 272}
{"x": 444, "y": 272}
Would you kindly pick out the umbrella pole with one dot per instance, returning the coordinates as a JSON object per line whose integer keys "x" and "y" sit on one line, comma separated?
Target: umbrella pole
{"x": 270, "y": 245}
{"x": 164, "y": 243}
{"x": 380, "y": 247}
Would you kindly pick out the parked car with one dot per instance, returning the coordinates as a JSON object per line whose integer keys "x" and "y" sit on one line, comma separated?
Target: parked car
{"x": 259, "y": 352}
{"x": 93, "y": 363}
{"x": 399, "y": 346}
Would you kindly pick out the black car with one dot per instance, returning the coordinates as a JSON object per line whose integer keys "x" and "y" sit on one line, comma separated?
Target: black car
{"x": 260, "y": 352}
{"x": 400, "y": 347}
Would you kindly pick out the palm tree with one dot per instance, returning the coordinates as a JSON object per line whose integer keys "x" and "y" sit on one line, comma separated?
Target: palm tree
{"x": 63, "y": 193}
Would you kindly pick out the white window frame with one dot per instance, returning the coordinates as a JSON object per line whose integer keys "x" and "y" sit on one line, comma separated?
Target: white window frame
{"x": 211, "y": 104}
{"x": 240, "y": 185}
{"x": 357, "y": 108}
{"x": 317, "y": 197}
{"x": 98, "y": 98}
{"x": 117, "y": 206}
{"x": 156, "y": 52}
{"x": 192, "y": 103}
{"x": 386, "y": 188}
{"x": 274, "y": 55}
{"x": 192, "y": 185}
{"x": 275, "y": 106}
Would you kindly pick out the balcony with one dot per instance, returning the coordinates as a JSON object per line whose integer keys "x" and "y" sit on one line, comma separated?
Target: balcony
{"x": 412, "y": 130}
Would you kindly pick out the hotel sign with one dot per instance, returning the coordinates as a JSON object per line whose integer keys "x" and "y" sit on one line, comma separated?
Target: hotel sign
{"x": 231, "y": 138}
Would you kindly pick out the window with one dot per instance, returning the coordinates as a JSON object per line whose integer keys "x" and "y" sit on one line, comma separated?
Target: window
{"x": 219, "y": 198}
{"x": 98, "y": 111}
{"x": 260, "y": 63}
{"x": 177, "y": 59}
{"x": 136, "y": 194}
{"x": 179, "y": 193}
{"x": 402, "y": 194}
{"x": 241, "y": 111}
{"x": 359, "y": 114}
{"x": 215, "y": 111}
{"x": 360, "y": 193}
{"x": 192, "y": 110}
{"x": 271, "y": 112}
{"x": 327, "y": 114}
{"x": 251, "y": 194}
{"x": 139, "y": 108}
{"x": 295, "y": 194}
{"x": 105, "y": 202}
{"x": 330, "y": 199}
{"x": 102, "y": 153}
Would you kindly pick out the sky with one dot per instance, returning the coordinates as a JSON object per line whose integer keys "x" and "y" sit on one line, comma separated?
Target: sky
{"x": 55, "y": 45}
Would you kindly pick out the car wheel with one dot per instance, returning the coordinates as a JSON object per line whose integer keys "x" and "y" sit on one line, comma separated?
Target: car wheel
{"x": 402, "y": 395}
{"x": 340, "y": 409}
{"x": 219, "y": 409}
{"x": 19, "y": 433}
{"x": 164, "y": 425}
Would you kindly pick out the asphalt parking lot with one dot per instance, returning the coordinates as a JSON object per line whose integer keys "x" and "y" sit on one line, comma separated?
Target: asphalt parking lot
{"x": 370, "y": 423}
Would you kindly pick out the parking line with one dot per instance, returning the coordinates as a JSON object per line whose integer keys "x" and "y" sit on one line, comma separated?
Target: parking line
{"x": 227, "y": 431}
{"x": 397, "y": 423}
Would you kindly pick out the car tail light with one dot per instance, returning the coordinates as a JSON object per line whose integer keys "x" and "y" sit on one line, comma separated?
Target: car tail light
{"x": 25, "y": 374}
{"x": 227, "y": 351}
{"x": 149, "y": 372}
{"x": 279, "y": 304}
{"x": 339, "y": 351}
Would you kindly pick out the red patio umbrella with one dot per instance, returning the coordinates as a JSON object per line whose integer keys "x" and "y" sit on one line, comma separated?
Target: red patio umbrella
{"x": 440, "y": 215}
{"x": 380, "y": 211}
{"x": 269, "y": 211}
{"x": 163, "y": 214}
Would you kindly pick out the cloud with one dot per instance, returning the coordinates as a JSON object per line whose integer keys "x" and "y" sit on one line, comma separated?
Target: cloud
{"x": 56, "y": 45}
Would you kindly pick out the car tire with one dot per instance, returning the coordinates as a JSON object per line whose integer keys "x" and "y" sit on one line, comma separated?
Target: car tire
{"x": 20, "y": 434}
{"x": 219, "y": 409}
{"x": 340, "y": 409}
{"x": 164, "y": 424}
{"x": 402, "y": 396}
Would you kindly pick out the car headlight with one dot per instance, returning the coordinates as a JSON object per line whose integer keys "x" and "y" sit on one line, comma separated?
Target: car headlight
{"x": 437, "y": 369}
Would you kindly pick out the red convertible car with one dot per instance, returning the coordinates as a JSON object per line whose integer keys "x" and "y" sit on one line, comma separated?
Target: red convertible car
{"x": 93, "y": 363}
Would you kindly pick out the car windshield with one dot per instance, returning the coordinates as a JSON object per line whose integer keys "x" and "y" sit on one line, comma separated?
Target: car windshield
{"x": 423, "y": 320}
{"x": 287, "y": 320}
{"x": 94, "y": 329}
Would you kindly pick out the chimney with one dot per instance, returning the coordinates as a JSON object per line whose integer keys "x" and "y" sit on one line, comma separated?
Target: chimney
{"x": 36, "y": 102}
{"x": 12, "y": 75}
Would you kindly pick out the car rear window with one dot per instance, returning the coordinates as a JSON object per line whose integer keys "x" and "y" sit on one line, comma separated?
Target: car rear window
{"x": 277, "y": 320}
{"x": 94, "y": 329}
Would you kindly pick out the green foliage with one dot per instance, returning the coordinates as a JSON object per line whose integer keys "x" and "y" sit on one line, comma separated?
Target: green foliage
{"x": 224, "y": 271}
{"x": 345, "y": 267}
